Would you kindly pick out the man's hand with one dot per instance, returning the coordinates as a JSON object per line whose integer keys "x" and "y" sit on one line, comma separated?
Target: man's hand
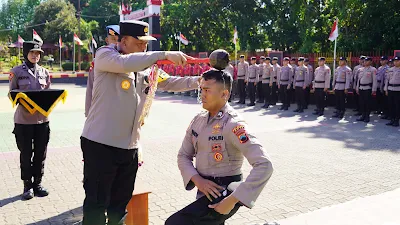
{"x": 178, "y": 58}
{"x": 358, "y": 92}
{"x": 207, "y": 187}
{"x": 225, "y": 206}
{"x": 373, "y": 93}
{"x": 325, "y": 89}
{"x": 255, "y": 83}
{"x": 346, "y": 91}
{"x": 288, "y": 87}
{"x": 270, "y": 85}
{"x": 387, "y": 93}
{"x": 304, "y": 87}
{"x": 279, "y": 86}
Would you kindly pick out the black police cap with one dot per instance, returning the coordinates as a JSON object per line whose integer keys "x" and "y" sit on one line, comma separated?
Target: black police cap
{"x": 368, "y": 58}
{"x": 286, "y": 59}
{"x": 262, "y": 57}
{"x": 306, "y": 60}
{"x": 321, "y": 59}
{"x": 253, "y": 58}
{"x": 241, "y": 56}
{"x": 32, "y": 46}
{"x": 384, "y": 58}
{"x": 301, "y": 59}
{"x": 275, "y": 58}
{"x": 136, "y": 29}
{"x": 219, "y": 59}
{"x": 396, "y": 58}
{"x": 343, "y": 58}
{"x": 268, "y": 58}
{"x": 112, "y": 30}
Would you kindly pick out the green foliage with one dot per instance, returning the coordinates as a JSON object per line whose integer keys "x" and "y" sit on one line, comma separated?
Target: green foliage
{"x": 69, "y": 66}
{"x": 15, "y": 61}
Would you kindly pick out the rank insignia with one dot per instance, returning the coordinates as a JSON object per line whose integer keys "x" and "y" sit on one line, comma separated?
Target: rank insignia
{"x": 216, "y": 129}
{"x": 125, "y": 84}
{"x": 237, "y": 129}
{"x": 218, "y": 157}
{"x": 216, "y": 147}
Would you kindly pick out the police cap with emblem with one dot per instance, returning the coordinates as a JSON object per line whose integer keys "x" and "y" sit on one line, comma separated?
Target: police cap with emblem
{"x": 301, "y": 59}
{"x": 275, "y": 58}
{"x": 268, "y": 58}
{"x": 306, "y": 60}
{"x": 396, "y": 58}
{"x": 262, "y": 57}
{"x": 286, "y": 59}
{"x": 343, "y": 58}
{"x": 30, "y": 46}
{"x": 321, "y": 59}
{"x": 112, "y": 30}
{"x": 368, "y": 58}
{"x": 241, "y": 56}
{"x": 136, "y": 29}
{"x": 384, "y": 58}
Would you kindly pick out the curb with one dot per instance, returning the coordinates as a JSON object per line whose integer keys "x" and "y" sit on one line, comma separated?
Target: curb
{"x": 4, "y": 76}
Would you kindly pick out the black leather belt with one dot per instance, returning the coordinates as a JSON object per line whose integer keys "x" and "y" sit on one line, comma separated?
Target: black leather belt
{"x": 275, "y": 77}
{"x": 394, "y": 85}
{"x": 284, "y": 80}
{"x": 369, "y": 85}
{"x": 340, "y": 82}
{"x": 252, "y": 77}
{"x": 241, "y": 75}
{"x": 319, "y": 82}
{"x": 268, "y": 78}
{"x": 224, "y": 180}
{"x": 299, "y": 80}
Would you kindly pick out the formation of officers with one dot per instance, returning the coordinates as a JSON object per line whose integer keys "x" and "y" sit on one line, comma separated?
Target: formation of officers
{"x": 293, "y": 82}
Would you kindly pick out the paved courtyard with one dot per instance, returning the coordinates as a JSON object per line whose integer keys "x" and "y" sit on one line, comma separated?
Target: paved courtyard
{"x": 318, "y": 162}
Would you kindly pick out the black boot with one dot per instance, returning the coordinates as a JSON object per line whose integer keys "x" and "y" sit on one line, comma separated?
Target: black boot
{"x": 265, "y": 106}
{"x": 366, "y": 119}
{"x": 341, "y": 115}
{"x": 28, "y": 192}
{"x": 38, "y": 189}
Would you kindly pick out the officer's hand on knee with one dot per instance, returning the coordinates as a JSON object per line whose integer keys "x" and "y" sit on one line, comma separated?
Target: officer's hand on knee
{"x": 207, "y": 187}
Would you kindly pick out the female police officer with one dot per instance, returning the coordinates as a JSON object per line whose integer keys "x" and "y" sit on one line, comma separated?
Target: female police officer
{"x": 31, "y": 131}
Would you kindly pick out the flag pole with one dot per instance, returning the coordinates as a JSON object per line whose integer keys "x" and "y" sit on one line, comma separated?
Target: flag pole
{"x": 179, "y": 40}
{"x": 334, "y": 57}
{"x": 60, "y": 58}
{"x": 73, "y": 64}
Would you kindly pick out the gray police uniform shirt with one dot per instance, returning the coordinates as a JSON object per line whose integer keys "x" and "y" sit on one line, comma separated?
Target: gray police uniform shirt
{"x": 275, "y": 73}
{"x": 89, "y": 89}
{"x": 243, "y": 70}
{"x": 322, "y": 77}
{"x": 342, "y": 79}
{"x": 393, "y": 79}
{"x": 286, "y": 75}
{"x": 117, "y": 104}
{"x": 355, "y": 75}
{"x": 253, "y": 73}
{"x": 22, "y": 78}
{"x": 220, "y": 145}
{"x": 367, "y": 79}
{"x": 310, "y": 73}
{"x": 267, "y": 73}
{"x": 261, "y": 67}
{"x": 230, "y": 70}
{"x": 301, "y": 77}
{"x": 381, "y": 76}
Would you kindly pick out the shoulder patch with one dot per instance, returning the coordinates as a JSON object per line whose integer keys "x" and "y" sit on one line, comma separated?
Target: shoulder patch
{"x": 11, "y": 76}
{"x": 238, "y": 129}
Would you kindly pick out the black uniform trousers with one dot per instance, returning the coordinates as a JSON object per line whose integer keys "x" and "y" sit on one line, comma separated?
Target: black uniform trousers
{"x": 379, "y": 101}
{"x": 252, "y": 91}
{"x": 307, "y": 96}
{"x": 32, "y": 139}
{"x": 284, "y": 95}
{"x": 260, "y": 92}
{"x": 300, "y": 97}
{"x": 198, "y": 213}
{"x": 356, "y": 98}
{"x": 109, "y": 180}
{"x": 267, "y": 93}
{"x": 365, "y": 102}
{"x": 340, "y": 100}
{"x": 274, "y": 93}
{"x": 394, "y": 101}
{"x": 320, "y": 98}
{"x": 242, "y": 90}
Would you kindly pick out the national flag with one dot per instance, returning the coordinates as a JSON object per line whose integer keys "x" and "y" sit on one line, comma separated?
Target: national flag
{"x": 37, "y": 37}
{"x": 20, "y": 40}
{"x": 77, "y": 40}
{"x": 335, "y": 31}
{"x": 235, "y": 36}
{"x": 60, "y": 42}
{"x": 183, "y": 39}
{"x": 94, "y": 43}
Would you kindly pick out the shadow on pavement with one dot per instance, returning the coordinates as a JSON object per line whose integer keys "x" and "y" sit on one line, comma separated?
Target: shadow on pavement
{"x": 10, "y": 200}
{"x": 71, "y": 217}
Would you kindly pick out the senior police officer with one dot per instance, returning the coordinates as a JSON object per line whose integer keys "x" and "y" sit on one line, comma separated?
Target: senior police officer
{"x": 220, "y": 140}
{"x": 32, "y": 131}
{"x": 366, "y": 87}
{"x": 341, "y": 86}
{"x": 322, "y": 81}
{"x": 274, "y": 78}
{"x": 392, "y": 88}
{"x": 110, "y": 138}
{"x": 252, "y": 81}
{"x": 380, "y": 79}
{"x": 266, "y": 82}
{"x": 301, "y": 81}
{"x": 112, "y": 38}
{"x": 284, "y": 81}
{"x": 243, "y": 73}
{"x": 260, "y": 92}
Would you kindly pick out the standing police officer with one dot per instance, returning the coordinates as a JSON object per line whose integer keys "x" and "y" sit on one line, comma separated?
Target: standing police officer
{"x": 243, "y": 70}
{"x": 311, "y": 74}
{"x": 392, "y": 88}
{"x": 112, "y": 38}
{"x": 110, "y": 137}
{"x": 301, "y": 81}
{"x": 322, "y": 81}
{"x": 355, "y": 79}
{"x": 366, "y": 87}
{"x": 252, "y": 81}
{"x": 220, "y": 140}
{"x": 284, "y": 81}
{"x": 341, "y": 85}
{"x": 32, "y": 131}
{"x": 274, "y": 78}
{"x": 260, "y": 91}
{"x": 266, "y": 82}
{"x": 380, "y": 79}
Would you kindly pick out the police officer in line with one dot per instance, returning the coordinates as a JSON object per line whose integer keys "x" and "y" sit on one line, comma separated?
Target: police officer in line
{"x": 274, "y": 78}
{"x": 322, "y": 81}
{"x": 112, "y": 38}
{"x": 308, "y": 88}
{"x": 301, "y": 81}
{"x": 260, "y": 92}
{"x": 292, "y": 95}
{"x": 266, "y": 78}
{"x": 392, "y": 90}
{"x": 380, "y": 79}
{"x": 366, "y": 87}
{"x": 341, "y": 85}
{"x": 110, "y": 137}
{"x": 243, "y": 70}
{"x": 220, "y": 140}
{"x": 284, "y": 83}
{"x": 354, "y": 84}
{"x": 32, "y": 131}
{"x": 252, "y": 81}
{"x": 390, "y": 63}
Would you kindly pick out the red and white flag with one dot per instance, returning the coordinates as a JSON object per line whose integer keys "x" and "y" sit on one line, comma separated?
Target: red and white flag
{"x": 60, "y": 42}
{"x": 37, "y": 37}
{"x": 94, "y": 43}
{"x": 77, "y": 40}
{"x": 235, "y": 36}
{"x": 183, "y": 39}
{"x": 335, "y": 31}
{"x": 20, "y": 40}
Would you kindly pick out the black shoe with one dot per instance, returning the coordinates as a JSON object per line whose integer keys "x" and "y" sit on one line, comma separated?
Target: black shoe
{"x": 358, "y": 114}
{"x": 390, "y": 123}
{"x": 336, "y": 115}
{"x": 251, "y": 104}
{"x": 286, "y": 108}
{"x": 301, "y": 111}
{"x": 321, "y": 113}
{"x": 28, "y": 192}
{"x": 385, "y": 117}
{"x": 362, "y": 118}
{"x": 239, "y": 102}
{"x": 243, "y": 103}
{"x": 366, "y": 119}
{"x": 317, "y": 112}
{"x": 396, "y": 123}
{"x": 296, "y": 110}
{"x": 336, "y": 112}
{"x": 265, "y": 106}
{"x": 282, "y": 108}
{"x": 38, "y": 189}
